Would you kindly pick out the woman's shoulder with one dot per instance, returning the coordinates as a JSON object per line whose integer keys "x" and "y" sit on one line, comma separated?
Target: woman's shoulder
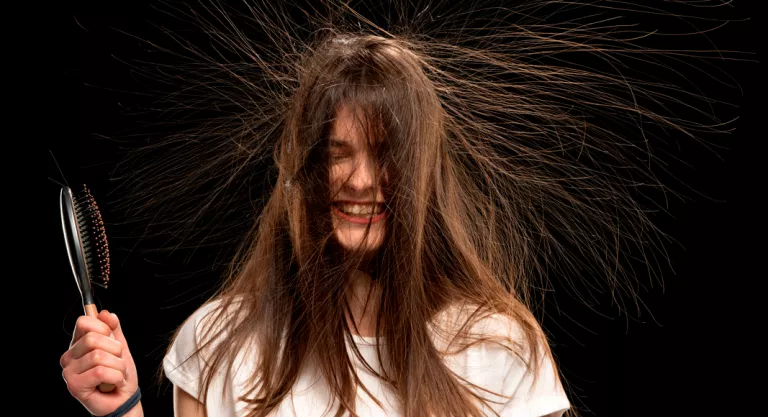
{"x": 478, "y": 321}
{"x": 216, "y": 310}
{"x": 208, "y": 324}
{"x": 499, "y": 359}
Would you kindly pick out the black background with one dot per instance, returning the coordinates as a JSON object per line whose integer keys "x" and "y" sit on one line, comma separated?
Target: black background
{"x": 689, "y": 361}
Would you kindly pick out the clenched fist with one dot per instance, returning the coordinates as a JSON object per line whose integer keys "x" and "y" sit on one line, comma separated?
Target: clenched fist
{"x": 99, "y": 354}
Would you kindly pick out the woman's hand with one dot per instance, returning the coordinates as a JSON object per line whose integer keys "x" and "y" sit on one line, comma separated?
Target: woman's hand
{"x": 99, "y": 354}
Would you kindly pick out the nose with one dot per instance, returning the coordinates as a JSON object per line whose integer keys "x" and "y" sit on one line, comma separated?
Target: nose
{"x": 363, "y": 176}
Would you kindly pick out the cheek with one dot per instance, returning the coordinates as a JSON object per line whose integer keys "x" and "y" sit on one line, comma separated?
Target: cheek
{"x": 336, "y": 175}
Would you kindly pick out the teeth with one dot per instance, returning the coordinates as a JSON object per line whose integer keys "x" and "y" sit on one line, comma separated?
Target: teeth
{"x": 360, "y": 209}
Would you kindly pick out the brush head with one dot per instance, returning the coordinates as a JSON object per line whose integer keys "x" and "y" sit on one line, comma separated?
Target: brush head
{"x": 86, "y": 241}
{"x": 94, "y": 238}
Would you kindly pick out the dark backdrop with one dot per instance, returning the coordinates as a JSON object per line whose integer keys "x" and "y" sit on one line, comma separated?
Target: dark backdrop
{"x": 685, "y": 362}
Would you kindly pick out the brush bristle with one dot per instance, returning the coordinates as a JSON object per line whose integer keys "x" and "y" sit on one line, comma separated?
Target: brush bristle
{"x": 94, "y": 238}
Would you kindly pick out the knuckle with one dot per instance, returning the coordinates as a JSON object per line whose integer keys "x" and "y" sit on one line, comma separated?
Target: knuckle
{"x": 70, "y": 389}
{"x": 86, "y": 340}
{"x": 81, "y": 322}
{"x": 90, "y": 340}
{"x": 71, "y": 384}
{"x": 99, "y": 372}
{"x": 97, "y": 356}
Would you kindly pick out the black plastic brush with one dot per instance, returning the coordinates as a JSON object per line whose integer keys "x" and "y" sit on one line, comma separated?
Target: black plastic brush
{"x": 87, "y": 247}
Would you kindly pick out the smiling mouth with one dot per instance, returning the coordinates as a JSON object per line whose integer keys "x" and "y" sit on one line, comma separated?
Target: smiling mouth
{"x": 358, "y": 209}
{"x": 362, "y": 214}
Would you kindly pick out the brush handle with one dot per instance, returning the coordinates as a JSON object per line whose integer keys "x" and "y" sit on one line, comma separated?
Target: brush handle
{"x": 91, "y": 311}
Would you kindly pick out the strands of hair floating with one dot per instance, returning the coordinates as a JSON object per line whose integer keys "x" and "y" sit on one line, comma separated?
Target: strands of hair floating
{"x": 557, "y": 118}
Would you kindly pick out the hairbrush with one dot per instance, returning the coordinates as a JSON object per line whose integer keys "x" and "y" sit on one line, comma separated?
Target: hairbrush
{"x": 86, "y": 242}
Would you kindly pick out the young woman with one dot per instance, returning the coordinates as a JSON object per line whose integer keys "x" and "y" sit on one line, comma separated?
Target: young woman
{"x": 388, "y": 273}
{"x": 369, "y": 232}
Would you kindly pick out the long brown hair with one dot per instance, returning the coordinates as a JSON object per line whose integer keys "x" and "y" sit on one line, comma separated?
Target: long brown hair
{"x": 502, "y": 172}
{"x": 292, "y": 274}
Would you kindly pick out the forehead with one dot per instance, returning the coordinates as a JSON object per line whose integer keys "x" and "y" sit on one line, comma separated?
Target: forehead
{"x": 349, "y": 127}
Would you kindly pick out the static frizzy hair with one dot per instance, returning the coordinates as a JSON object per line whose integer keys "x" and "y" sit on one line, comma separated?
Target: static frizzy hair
{"x": 519, "y": 141}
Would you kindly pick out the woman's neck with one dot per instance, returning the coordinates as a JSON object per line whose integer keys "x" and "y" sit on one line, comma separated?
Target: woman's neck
{"x": 363, "y": 296}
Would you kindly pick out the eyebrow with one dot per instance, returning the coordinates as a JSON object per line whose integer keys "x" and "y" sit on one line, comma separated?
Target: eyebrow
{"x": 338, "y": 143}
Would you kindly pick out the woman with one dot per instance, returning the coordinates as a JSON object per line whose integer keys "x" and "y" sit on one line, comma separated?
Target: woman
{"x": 389, "y": 271}
{"x": 388, "y": 231}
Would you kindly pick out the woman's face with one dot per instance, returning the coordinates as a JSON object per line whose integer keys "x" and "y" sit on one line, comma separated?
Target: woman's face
{"x": 358, "y": 197}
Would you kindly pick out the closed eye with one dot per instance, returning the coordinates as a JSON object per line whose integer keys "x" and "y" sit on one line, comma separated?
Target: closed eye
{"x": 339, "y": 149}
{"x": 338, "y": 156}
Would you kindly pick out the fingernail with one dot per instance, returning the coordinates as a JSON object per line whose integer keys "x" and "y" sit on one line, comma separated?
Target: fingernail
{"x": 114, "y": 315}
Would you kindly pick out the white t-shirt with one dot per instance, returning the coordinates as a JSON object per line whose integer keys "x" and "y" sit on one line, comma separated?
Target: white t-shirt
{"x": 486, "y": 364}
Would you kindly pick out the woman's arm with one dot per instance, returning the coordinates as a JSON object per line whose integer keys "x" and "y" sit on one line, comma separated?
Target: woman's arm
{"x": 185, "y": 405}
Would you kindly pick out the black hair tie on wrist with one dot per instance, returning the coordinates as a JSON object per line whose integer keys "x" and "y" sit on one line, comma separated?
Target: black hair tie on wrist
{"x": 127, "y": 406}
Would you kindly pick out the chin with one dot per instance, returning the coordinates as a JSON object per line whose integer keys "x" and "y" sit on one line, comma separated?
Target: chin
{"x": 348, "y": 244}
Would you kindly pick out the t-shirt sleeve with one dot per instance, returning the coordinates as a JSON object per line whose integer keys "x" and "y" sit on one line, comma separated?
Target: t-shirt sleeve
{"x": 543, "y": 397}
{"x": 181, "y": 366}
{"x": 493, "y": 367}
